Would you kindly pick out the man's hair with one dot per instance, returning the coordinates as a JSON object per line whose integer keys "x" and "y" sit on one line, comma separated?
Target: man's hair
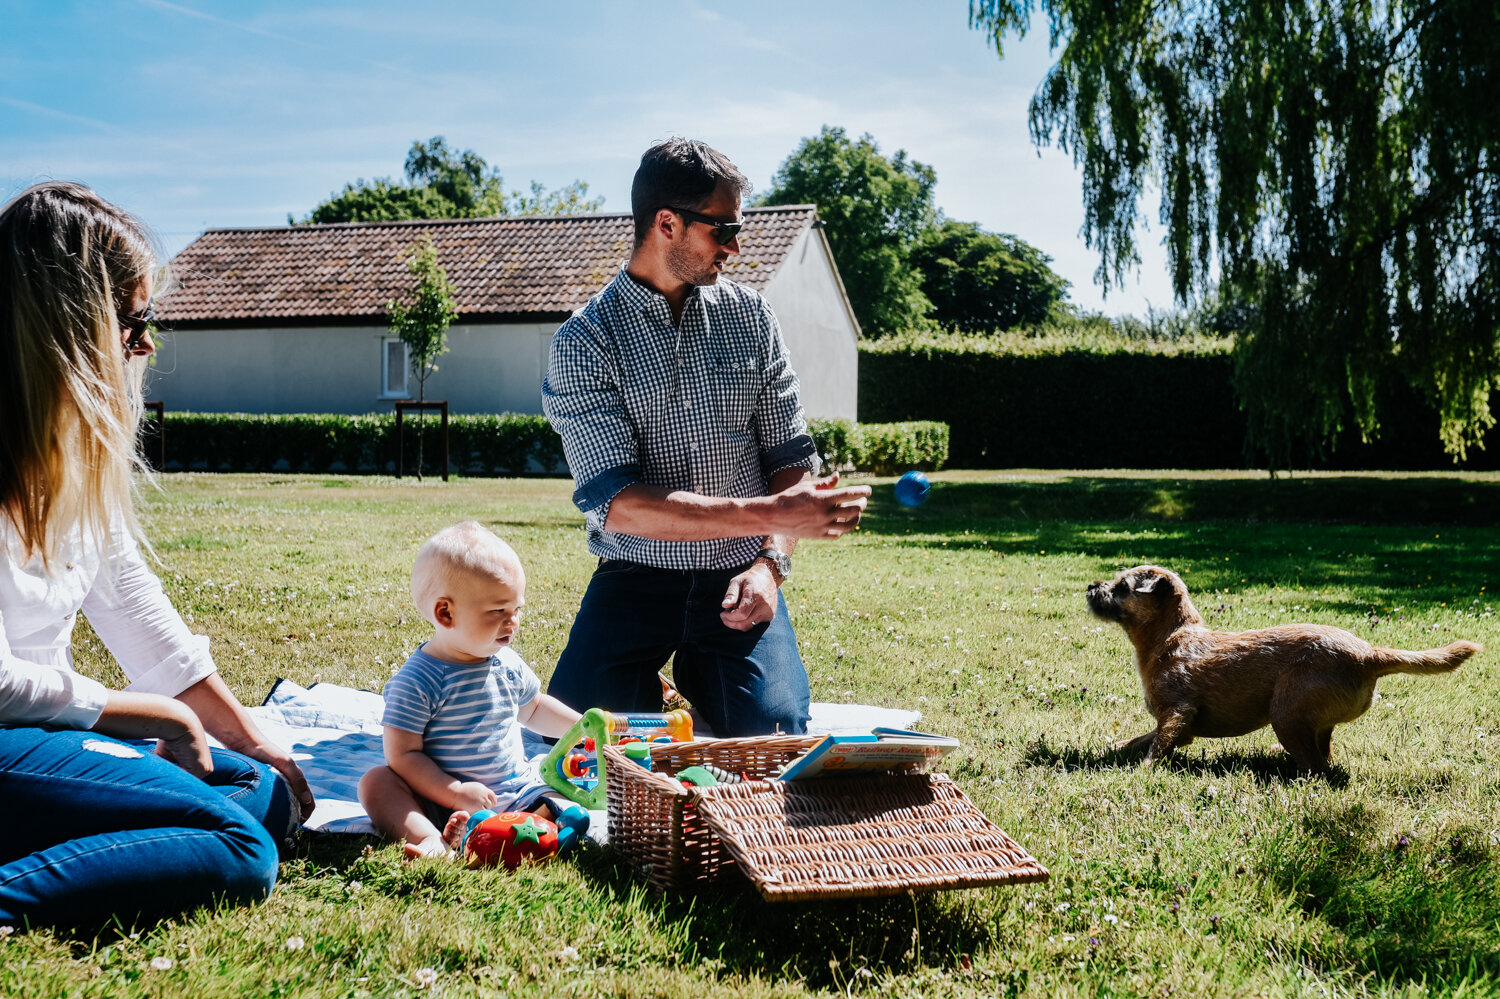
{"x": 464, "y": 551}
{"x": 680, "y": 173}
{"x": 69, "y": 399}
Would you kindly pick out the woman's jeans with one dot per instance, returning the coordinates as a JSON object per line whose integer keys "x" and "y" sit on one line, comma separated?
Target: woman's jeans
{"x": 633, "y": 617}
{"x": 97, "y": 828}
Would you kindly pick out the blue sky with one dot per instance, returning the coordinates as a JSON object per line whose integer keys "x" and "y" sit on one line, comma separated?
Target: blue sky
{"x": 206, "y": 113}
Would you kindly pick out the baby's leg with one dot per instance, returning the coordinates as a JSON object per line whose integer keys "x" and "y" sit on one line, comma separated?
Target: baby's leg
{"x": 572, "y": 820}
{"x": 397, "y": 813}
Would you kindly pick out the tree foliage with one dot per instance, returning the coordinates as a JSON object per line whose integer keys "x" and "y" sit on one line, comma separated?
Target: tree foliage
{"x": 423, "y": 325}
{"x": 1332, "y": 162}
{"x": 443, "y": 183}
{"x": 983, "y": 281}
{"x": 873, "y": 208}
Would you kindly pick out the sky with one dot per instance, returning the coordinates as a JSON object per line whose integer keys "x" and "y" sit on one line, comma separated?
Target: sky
{"x": 197, "y": 114}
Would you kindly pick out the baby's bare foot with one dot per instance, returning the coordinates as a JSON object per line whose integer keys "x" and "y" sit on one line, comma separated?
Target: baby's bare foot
{"x": 434, "y": 847}
{"x": 453, "y": 831}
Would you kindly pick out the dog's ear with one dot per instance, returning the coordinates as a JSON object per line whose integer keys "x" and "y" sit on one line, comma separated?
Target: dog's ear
{"x": 1150, "y": 583}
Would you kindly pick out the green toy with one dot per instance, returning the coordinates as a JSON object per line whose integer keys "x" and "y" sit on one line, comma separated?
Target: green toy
{"x": 580, "y": 776}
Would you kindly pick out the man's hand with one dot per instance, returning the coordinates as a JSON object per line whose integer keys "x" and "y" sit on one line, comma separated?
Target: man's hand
{"x": 750, "y": 599}
{"x": 817, "y": 508}
{"x": 472, "y": 797}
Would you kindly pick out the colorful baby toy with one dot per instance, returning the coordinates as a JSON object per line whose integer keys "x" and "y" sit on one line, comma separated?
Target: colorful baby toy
{"x": 580, "y": 774}
{"x": 512, "y": 838}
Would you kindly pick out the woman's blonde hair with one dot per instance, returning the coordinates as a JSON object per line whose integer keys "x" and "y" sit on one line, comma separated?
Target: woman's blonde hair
{"x": 70, "y": 400}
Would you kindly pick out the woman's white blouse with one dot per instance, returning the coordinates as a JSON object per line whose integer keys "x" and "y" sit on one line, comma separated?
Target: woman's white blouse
{"x": 127, "y": 608}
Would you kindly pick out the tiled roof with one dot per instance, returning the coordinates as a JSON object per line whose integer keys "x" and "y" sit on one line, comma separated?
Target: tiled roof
{"x": 522, "y": 265}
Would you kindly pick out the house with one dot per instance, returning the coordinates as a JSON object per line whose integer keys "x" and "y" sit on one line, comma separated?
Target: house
{"x": 292, "y": 319}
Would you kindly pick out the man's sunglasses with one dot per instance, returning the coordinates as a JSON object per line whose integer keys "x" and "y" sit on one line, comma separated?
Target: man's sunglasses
{"x": 724, "y": 232}
{"x": 138, "y": 324}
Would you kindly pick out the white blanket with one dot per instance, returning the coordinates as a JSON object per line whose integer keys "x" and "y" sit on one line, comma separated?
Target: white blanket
{"x": 333, "y": 733}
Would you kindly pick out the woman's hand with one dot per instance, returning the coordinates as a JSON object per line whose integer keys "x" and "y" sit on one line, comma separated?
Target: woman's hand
{"x": 178, "y": 732}
{"x": 224, "y": 716}
{"x": 189, "y": 751}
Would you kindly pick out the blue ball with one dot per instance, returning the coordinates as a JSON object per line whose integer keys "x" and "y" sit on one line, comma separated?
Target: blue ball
{"x": 912, "y": 488}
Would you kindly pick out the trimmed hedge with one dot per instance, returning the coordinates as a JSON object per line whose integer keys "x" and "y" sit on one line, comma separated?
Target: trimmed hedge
{"x": 1013, "y": 402}
{"x": 881, "y": 448}
{"x": 479, "y": 445}
{"x": 507, "y": 444}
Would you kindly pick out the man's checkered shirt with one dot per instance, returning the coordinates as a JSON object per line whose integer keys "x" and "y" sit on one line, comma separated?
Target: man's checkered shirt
{"x": 710, "y": 406}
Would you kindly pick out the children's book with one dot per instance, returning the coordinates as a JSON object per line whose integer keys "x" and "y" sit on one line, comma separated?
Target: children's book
{"x": 884, "y": 749}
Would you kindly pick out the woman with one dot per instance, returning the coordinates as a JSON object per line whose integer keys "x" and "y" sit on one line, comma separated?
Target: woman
{"x": 97, "y": 825}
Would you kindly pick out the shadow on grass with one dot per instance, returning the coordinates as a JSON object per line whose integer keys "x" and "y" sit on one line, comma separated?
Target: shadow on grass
{"x": 1263, "y": 766}
{"x": 824, "y": 944}
{"x": 1412, "y": 908}
{"x": 1399, "y": 542}
{"x": 1163, "y": 499}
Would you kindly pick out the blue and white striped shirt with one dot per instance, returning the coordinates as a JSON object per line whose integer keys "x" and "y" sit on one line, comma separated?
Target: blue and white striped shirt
{"x": 465, "y": 714}
{"x": 710, "y": 405}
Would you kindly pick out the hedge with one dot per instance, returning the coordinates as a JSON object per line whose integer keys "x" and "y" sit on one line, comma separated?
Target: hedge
{"x": 479, "y": 445}
{"x": 1010, "y": 403}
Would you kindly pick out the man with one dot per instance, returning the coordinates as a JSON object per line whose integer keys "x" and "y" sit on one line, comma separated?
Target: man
{"x": 680, "y": 418}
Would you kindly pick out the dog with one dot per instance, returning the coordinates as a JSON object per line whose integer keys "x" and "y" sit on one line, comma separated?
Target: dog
{"x": 1301, "y": 679}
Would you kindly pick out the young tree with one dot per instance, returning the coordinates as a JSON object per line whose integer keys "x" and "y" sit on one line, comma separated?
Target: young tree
{"x": 1332, "y": 162}
{"x": 443, "y": 183}
{"x": 982, "y": 281}
{"x": 423, "y": 325}
{"x": 873, "y": 208}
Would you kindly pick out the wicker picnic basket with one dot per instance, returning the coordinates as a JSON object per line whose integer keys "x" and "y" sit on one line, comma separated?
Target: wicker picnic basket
{"x": 845, "y": 837}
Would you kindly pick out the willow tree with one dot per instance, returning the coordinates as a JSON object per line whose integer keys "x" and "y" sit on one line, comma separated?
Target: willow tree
{"x": 1335, "y": 163}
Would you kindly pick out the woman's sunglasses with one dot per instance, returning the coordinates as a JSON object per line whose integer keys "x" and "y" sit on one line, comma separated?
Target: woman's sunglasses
{"x": 724, "y": 232}
{"x": 138, "y": 324}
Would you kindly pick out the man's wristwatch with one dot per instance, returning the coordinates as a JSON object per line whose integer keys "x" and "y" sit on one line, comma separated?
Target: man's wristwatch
{"x": 781, "y": 563}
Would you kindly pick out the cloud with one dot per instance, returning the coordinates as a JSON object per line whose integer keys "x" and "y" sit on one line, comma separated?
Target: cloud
{"x": 76, "y": 119}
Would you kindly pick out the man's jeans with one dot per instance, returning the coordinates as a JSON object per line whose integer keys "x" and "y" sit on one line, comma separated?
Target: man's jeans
{"x": 633, "y": 617}
{"x": 96, "y": 827}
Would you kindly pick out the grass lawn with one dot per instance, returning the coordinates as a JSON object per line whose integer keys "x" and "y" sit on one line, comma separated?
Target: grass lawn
{"x": 1218, "y": 875}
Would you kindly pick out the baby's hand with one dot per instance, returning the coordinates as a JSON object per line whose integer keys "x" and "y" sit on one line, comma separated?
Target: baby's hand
{"x": 473, "y": 796}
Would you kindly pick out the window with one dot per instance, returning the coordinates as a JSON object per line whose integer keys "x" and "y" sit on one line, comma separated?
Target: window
{"x": 393, "y": 369}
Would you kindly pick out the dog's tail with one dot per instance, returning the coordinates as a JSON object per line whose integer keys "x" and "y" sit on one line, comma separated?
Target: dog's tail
{"x": 1384, "y": 662}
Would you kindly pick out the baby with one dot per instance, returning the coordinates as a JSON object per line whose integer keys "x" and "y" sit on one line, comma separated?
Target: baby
{"x": 454, "y": 711}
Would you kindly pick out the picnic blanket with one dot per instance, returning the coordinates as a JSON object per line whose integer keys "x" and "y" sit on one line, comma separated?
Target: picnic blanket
{"x": 333, "y": 733}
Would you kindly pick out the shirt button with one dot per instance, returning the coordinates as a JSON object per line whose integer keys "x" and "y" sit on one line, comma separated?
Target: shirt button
{"x": 687, "y": 404}
{"x": 70, "y": 565}
{"x": 693, "y": 446}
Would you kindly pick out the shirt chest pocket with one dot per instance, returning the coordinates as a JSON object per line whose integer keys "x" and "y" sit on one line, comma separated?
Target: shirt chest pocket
{"x": 735, "y": 386}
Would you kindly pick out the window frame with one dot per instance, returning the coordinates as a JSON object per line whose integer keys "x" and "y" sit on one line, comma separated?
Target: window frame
{"x": 385, "y": 369}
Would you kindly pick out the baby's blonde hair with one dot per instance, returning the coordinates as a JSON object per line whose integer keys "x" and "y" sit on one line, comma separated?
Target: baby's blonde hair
{"x": 455, "y": 554}
{"x": 69, "y": 400}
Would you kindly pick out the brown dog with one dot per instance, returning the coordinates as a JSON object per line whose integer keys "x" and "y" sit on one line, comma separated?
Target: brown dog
{"x": 1302, "y": 679}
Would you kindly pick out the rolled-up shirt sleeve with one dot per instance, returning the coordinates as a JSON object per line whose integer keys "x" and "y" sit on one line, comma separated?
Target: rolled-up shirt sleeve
{"x": 39, "y": 694}
{"x": 582, "y": 400}
{"x": 784, "y": 440}
{"x": 138, "y": 624}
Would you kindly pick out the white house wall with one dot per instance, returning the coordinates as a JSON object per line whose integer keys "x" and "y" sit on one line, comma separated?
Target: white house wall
{"x": 821, "y": 335}
{"x": 488, "y": 369}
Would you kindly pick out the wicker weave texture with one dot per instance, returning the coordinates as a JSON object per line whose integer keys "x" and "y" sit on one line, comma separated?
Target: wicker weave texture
{"x": 848, "y": 837}
{"x": 653, "y": 822}
{"x": 857, "y": 837}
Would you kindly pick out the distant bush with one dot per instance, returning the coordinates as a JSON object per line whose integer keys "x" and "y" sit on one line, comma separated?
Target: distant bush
{"x": 479, "y": 445}
{"x": 1095, "y": 393}
{"x": 507, "y": 444}
{"x": 881, "y": 448}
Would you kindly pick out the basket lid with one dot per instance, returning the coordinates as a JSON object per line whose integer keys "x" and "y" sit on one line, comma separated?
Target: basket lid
{"x": 857, "y": 837}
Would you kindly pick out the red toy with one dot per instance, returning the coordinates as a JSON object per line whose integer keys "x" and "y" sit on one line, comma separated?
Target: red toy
{"x": 510, "y": 838}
